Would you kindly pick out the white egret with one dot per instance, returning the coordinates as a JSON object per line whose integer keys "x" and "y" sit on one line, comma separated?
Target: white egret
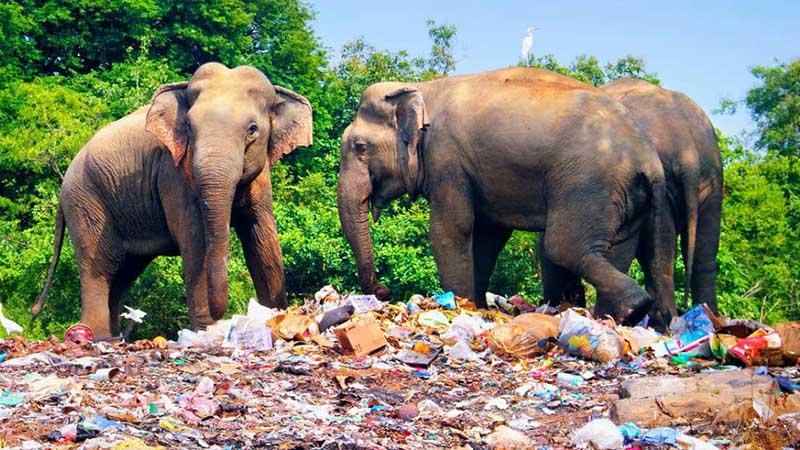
{"x": 527, "y": 44}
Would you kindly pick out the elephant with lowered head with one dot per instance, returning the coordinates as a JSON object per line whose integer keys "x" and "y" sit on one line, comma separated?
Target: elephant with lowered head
{"x": 170, "y": 179}
{"x": 686, "y": 142}
{"x": 517, "y": 148}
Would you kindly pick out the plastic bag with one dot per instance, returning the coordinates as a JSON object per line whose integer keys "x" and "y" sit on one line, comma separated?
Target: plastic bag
{"x": 584, "y": 337}
{"x": 467, "y": 327}
{"x": 693, "y": 330}
{"x": 462, "y": 351}
{"x": 749, "y": 348}
{"x": 433, "y": 319}
{"x": 521, "y": 336}
{"x": 599, "y": 434}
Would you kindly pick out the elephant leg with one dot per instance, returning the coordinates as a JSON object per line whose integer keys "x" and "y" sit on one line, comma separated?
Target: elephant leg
{"x": 661, "y": 313}
{"x": 451, "y": 229}
{"x": 129, "y": 271}
{"x": 94, "y": 303}
{"x": 581, "y": 245}
{"x": 254, "y": 223}
{"x": 704, "y": 273}
{"x": 98, "y": 256}
{"x": 487, "y": 243}
{"x": 559, "y": 285}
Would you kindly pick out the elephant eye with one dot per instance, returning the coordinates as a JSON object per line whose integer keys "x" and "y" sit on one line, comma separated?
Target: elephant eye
{"x": 252, "y": 129}
{"x": 360, "y": 147}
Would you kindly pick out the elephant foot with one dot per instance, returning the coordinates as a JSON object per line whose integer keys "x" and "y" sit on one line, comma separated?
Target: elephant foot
{"x": 661, "y": 317}
{"x": 201, "y": 323}
{"x": 627, "y": 311}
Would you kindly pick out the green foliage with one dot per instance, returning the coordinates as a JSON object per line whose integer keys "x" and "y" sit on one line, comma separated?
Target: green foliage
{"x": 775, "y": 106}
{"x": 69, "y": 67}
{"x": 588, "y": 69}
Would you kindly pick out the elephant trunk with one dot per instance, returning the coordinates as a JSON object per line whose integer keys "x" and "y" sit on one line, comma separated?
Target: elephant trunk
{"x": 353, "y": 200}
{"x": 217, "y": 174}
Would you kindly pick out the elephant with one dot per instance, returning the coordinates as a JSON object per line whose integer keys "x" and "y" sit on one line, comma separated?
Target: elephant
{"x": 511, "y": 149}
{"x": 686, "y": 142}
{"x": 170, "y": 179}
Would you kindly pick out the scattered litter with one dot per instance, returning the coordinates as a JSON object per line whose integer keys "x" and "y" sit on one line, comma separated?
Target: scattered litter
{"x": 435, "y": 372}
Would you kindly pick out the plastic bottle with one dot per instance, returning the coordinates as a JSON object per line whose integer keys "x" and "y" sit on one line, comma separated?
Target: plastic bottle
{"x": 568, "y": 379}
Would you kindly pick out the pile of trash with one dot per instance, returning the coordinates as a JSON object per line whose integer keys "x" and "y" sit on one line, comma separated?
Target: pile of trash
{"x": 434, "y": 372}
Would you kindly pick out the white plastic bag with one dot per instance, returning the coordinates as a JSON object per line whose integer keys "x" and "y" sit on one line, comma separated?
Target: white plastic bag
{"x": 599, "y": 434}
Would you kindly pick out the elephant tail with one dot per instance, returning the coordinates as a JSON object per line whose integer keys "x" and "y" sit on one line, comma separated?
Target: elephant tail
{"x": 689, "y": 235}
{"x": 58, "y": 241}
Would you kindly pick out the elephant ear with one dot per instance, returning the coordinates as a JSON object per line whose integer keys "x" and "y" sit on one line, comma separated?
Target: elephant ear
{"x": 291, "y": 124}
{"x": 412, "y": 118}
{"x": 166, "y": 119}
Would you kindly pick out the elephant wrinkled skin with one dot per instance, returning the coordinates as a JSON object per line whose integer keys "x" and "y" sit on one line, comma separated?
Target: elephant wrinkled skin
{"x": 686, "y": 142}
{"x": 170, "y": 179}
{"x": 517, "y": 148}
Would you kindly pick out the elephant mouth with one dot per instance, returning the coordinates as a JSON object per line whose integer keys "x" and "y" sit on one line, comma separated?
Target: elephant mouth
{"x": 376, "y": 206}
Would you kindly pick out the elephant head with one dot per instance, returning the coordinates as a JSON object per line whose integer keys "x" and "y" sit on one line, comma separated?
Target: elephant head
{"x": 221, "y": 128}
{"x": 380, "y": 161}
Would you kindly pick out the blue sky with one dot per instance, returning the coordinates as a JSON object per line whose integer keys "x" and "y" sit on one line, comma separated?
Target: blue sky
{"x": 701, "y": 48}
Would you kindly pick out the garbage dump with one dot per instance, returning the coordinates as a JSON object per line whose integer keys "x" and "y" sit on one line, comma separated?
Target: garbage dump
{"x": 350, "y": 371}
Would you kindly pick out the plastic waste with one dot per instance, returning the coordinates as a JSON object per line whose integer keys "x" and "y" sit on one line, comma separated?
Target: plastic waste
{"x": 134, "y": 315}
{"x": 413, "y": 304}
{"x": 79, "y": 333}
{"x": 692, "y": 443}
{"x": 446, "y": 300}
{"x": 749, "y": 348}
{"x": 462, "y": 351}
{"x": 498, "y": 301}
{"x": 335, "y": 317}
{"x": 104, "y": 374}
{"x": 693, "y": 330}
{"x": 11, "y": 398}
{"x": 10, "y": 326}
{"x": 433, "y": 319}
{"x": 639, "y": 338}
{"x": 504, "y": 437}
{"x": 134, "y": 444}
{"x": 189, "y": 338}
{"x": 47, "y": 358}
{"x": 661, "y": 436}
{"x": 584, "y": 337}
{"x": 630, "y": 432}
{"x": 429, "y": 406}
{"x": 568, "y": 379}
{"x": 363, "y": 303}
{"x": 327, "y": 294}
{"x": 599, "y": 434}
{"x": 466, "y": 327}
{"x": 522, "y": 336}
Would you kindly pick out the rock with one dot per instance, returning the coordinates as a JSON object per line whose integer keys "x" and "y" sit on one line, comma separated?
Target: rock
{"x": 505, "y": 438}
{"x": 661, "y": 400}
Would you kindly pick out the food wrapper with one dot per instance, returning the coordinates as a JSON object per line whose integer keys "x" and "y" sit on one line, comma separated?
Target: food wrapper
{"x": 587, "y": 338}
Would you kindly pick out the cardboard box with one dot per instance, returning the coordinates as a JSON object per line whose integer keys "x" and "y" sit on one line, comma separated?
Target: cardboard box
{"x": 360, "y": 335}
{"x": 790, "y": 335}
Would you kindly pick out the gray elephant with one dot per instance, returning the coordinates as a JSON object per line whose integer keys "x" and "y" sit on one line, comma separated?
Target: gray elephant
{"x": 517, "y": 148}
{"x": 686, "y": 142}
{"x": 170, "y": 179}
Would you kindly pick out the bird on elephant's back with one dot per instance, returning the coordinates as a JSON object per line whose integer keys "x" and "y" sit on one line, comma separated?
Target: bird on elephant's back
{"x": 171, "y": 179}
{"x": 686, "y": 143}
{"x": 519, "y": 148}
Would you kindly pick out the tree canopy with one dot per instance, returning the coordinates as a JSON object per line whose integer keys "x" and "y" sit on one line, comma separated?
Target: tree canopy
{"x": 69, "y": 67}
